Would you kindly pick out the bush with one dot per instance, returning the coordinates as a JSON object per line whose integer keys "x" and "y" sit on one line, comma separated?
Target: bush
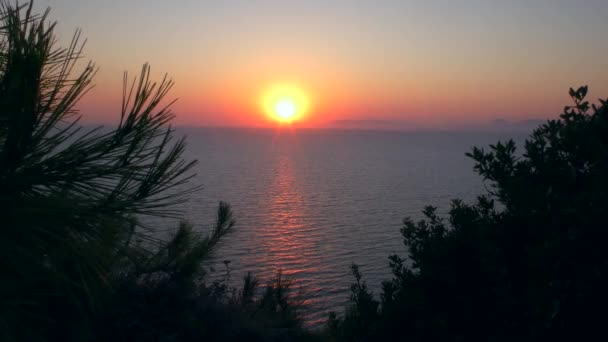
{"x": 527, "y": 261}
{"x": 163, "y": 295}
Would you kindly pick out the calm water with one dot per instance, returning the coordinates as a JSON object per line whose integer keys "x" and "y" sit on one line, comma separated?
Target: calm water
{"x": 310, "y": 203}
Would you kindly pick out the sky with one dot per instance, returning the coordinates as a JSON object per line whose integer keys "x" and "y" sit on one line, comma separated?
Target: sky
{"x": 421, "y": 64}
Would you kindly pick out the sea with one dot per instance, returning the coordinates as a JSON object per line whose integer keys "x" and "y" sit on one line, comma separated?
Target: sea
{"x": 310, "y": 203}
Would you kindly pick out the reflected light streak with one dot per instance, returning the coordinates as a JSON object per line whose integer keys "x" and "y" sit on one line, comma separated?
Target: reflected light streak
{"x": 289, "y": 247}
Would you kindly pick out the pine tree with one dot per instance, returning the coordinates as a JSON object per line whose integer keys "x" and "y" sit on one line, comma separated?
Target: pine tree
{"x": 70, "y": 196}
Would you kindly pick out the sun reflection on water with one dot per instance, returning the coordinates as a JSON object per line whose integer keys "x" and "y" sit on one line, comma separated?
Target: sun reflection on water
{"x": 289, "y": 246}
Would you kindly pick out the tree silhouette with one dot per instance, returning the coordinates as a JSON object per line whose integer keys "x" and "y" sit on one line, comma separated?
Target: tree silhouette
{"x": 69, "y": 195}
{"x": 527, "y": 261}
{"x": 76, "y": 262}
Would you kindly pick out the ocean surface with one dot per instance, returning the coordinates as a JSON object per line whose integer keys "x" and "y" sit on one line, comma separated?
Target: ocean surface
{"x": 312, "y": 202}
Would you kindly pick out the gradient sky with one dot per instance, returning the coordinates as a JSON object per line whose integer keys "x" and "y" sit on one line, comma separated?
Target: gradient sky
{"x": 444, "y": 63}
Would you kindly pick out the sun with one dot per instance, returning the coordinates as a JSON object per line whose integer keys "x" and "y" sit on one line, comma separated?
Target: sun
{"x": 285, "y": 109}
{"x": 285, "y": 103}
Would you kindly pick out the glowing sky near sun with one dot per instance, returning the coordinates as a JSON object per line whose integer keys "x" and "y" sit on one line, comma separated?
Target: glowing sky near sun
{"x": 426, "y": 63}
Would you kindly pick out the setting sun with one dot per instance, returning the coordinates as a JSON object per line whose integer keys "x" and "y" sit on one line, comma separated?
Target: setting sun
{"x": 285, "y": 103}
{"x": 285, "y": 109}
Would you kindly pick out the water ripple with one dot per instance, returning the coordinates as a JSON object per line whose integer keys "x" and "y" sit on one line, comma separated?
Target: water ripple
{"x": 313, "y": 202}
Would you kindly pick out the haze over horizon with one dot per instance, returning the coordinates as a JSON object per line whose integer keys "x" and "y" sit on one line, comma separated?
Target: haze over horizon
{"x": 431, "y": 65}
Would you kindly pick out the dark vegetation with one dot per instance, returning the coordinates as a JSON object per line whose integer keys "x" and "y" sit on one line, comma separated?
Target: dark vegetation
{"x": 76, "y": 263}
{"x": 526, "y": 261}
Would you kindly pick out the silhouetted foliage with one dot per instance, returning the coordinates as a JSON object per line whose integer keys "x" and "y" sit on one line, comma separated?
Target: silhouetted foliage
{"x": 163, "y": 296}
{"x": 68, "y": 196}
{"x": 527, "y": 261}
{"x": 76, "y": 263}
{"x": 360, "y": 319}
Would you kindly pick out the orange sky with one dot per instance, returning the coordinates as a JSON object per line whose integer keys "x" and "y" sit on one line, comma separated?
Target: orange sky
{"x": 440, "y": 64}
